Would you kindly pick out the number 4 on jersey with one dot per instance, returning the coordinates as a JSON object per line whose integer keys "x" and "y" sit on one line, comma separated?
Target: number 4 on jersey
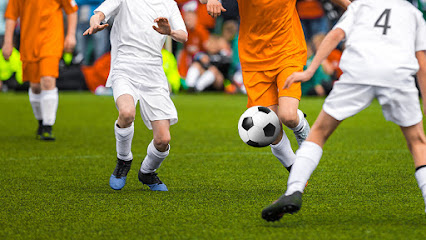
{"x": 385, "y": 26}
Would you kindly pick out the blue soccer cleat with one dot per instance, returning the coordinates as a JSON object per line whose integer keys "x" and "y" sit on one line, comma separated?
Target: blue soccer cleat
{"x": 118, "y": 177}
{"x": 152, "y": 181}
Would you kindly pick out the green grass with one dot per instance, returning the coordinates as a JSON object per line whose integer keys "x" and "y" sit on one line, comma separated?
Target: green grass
{"x": 364, "y": 187}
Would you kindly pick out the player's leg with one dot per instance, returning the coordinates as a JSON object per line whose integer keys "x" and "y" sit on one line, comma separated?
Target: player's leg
{"x": 345, "y": 100}
{"x": 281, "y": 147}
{"x": 49, "y": 71}
{"x": 289, "y": 99}
{"x": 262, "y": 91}
{"x": 124, "y": 130}
{"x": 158, "y": 149}
{"x": 31, "y": 74}
{"x": 416, "y": 142}
{"x": 308, "y": 157}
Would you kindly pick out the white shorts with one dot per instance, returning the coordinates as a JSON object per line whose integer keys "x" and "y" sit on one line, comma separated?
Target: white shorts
{"x": 401, "y": 106}
{"x": 155, "y": 103}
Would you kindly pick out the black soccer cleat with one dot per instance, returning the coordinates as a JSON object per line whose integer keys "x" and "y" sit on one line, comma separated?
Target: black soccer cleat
{"x": 46, "y": 133}
{"x": 119, "y": 176}
{"x": 152, "y": 180}
{"x": 39, "y": 129}
{"x": 285, "y": 204}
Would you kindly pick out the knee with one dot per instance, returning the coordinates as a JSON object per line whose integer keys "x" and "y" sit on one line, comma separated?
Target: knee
{"x": 289, "y": 118}
{"x": 126, "y": 116}
{"x": 48, "y": 83}
{"x": 162, "y": 142}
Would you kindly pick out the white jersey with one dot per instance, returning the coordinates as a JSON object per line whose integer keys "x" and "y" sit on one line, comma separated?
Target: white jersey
{"x": 382, "y": 37}
{"x": 134, "y": 43}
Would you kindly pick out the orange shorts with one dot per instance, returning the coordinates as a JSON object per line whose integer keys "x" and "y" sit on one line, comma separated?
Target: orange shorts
{"x": 265, "y": 87}
{"x": 33, "y": 71}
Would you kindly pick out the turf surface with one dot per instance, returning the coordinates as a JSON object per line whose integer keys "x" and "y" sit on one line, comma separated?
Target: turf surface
{"x": 364, "y": 187}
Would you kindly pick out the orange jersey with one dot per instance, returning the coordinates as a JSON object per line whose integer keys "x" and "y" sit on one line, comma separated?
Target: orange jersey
{"x": 271, "y": 35}
{"x": 309, "y": 9}
{"x": 42, "y": 27}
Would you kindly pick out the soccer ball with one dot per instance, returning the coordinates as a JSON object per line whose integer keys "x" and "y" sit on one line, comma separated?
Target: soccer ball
{"x": 259, "y": 126}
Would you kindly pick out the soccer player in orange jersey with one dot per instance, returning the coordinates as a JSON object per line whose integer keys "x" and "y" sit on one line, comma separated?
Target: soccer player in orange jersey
{"x": 271, "y": 47}
{"x": 41, "y": 45}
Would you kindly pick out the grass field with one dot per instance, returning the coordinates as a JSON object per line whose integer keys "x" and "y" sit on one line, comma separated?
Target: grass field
{"x": 364, "y": 187}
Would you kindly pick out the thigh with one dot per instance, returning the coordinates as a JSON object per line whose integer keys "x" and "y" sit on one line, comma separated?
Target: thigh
{"x": 31, "y": 72}
{"x": 401, "y": 106}
{"x": 49, "y": 66}
{"x": 346, "y": 100}
{"x": 122, "y": 86}
{"x": 261, "y": 89}
{"x": 295, "y": 90}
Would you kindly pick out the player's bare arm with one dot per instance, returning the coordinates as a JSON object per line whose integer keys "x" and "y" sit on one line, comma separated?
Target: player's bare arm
{"x": 7, "y": 47}
{"x": 95, "y": 24}
{"x": 342, "y": 3}
{"x": 165, "y": 29}
{"x": 329, "y": 43}
{"x": 421, "y": 76}
{"x": 70, "y": 40}
{"x": 214, "y": 7}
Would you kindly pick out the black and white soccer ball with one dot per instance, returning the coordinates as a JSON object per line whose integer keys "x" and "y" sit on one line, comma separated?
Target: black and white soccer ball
{"x": 259, "y": 126}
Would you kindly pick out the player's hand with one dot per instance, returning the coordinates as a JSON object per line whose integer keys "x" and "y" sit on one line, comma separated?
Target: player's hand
{"x": 215, "y": 8}
{"x": 95, "y": 28}
{"x": 69, "y": 43}
{"x": 297, "y": 77}
{"x": 7, "y": 50}
{"x": 163, "y": 26}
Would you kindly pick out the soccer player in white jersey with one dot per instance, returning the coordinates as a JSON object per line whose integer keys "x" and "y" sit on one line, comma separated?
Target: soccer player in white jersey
{"x": 385, "y": 46}
{"x": 137, "y": 37}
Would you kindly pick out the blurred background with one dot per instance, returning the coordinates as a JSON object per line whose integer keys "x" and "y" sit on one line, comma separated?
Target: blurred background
{"x": 212, "y": 44}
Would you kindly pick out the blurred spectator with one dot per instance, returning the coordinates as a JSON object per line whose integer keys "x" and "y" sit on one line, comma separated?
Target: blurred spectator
{"x": 320, "y": 84}
{"x": 171, "y": 70}
{"x": 94, "y": 45}
{"x": 312, "y": 17}
{"x": 197, "y": 37}
{"x": 3, "y": 5}
{"x": 204, "y": 19}
{"x": 211, "y": 68}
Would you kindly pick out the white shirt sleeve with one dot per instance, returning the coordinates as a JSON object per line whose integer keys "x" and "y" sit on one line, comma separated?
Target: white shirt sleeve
{"x": 420, "y": 33}
{"x": 347, "y": 20}
{"x": 109, "y": 8}
{"x": 176, "y": 20}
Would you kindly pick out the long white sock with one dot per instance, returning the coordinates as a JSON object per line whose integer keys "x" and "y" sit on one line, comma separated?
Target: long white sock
{"x": 283, "y": 151}
{"x": 124, "y": 137}
{"x": 192, "y": 76}
{"x": 421, "y": 180}
{"x": 153, "y": 158}
{"x": 206, "y": 79}
{"x": 301, "y": 123}
{"x": 49, "y": 106}
{"x": 35, "y": 104}
{"x": 307, "y": 159}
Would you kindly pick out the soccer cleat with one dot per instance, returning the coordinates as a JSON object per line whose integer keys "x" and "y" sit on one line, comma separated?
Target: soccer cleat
{"x": 303, "y": 133}
{"x": 118, "y": 177}
{"x": 152, "y": 180}
{"x": 39, "y": 131}
{"x": 285, "y": 204}
{"x": 46, "y": 133}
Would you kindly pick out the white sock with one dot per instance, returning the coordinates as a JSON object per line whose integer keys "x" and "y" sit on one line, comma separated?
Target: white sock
{"x": 421, "y": 180}
{"x": 191, "y": 76}
{"x": 307, "y": 159}
{"x": 124, "y": 137}
{"x": 301, "y": 123}
{"x": 283, "y": 151}
{"x": 153, "y": 158}
{"x": 205, "y": 80}
{"x": 49, "y": 106}
{"x": 35, "y": 104}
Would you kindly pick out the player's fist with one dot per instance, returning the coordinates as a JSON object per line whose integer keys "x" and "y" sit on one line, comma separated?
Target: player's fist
{"x": 69, "y": 43}
{"x": 7, "y": 50}
{"x": 215, "y": 8}
{"x": 163, "y": 26}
